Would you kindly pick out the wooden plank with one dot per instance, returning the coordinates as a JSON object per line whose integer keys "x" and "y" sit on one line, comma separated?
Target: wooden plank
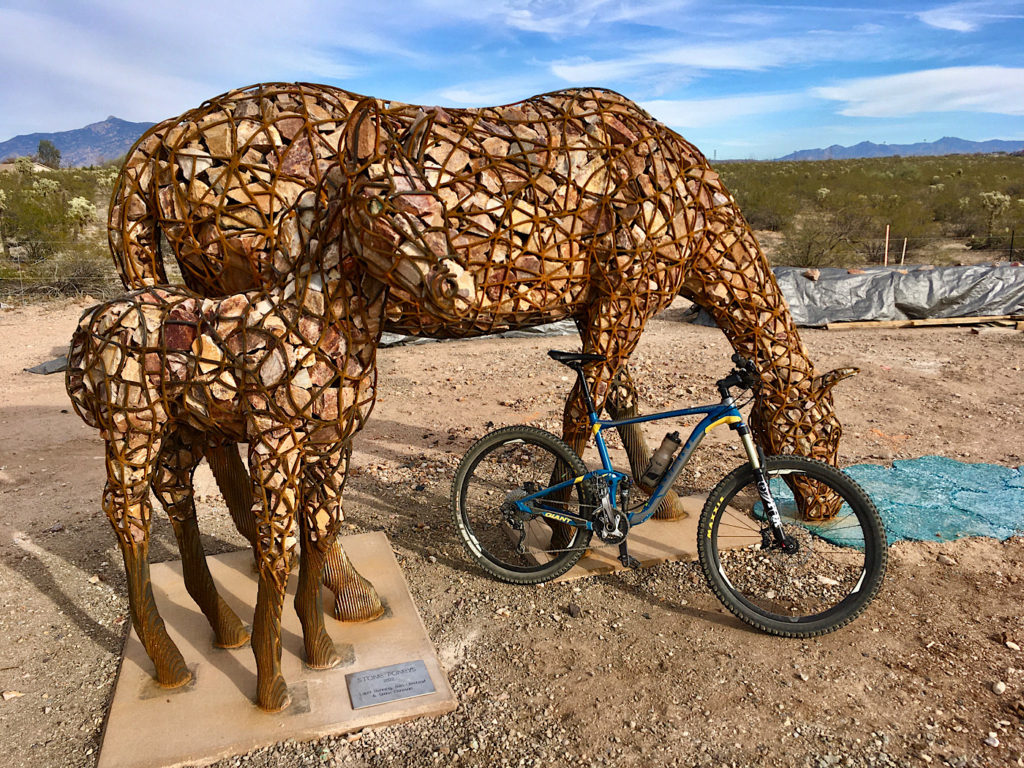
{"x": 931, "y": 321}
{"x": 855, "y": 324}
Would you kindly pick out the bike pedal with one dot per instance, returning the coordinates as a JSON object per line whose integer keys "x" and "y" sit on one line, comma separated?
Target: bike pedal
{"x": 627, "y": 560}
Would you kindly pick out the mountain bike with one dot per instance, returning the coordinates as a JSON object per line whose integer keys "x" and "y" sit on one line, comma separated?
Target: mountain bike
{"x": 768, "y": 561}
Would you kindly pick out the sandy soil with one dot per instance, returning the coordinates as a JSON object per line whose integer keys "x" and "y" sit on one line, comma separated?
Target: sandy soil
{"x": 653, "y": 671}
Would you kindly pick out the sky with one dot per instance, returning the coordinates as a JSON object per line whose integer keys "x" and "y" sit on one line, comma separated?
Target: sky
{"x": 740, "y": 80}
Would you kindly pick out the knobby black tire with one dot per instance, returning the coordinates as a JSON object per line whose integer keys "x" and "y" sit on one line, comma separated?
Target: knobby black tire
{"x": 875, "y": 549}
{"x": 562, "y": 561}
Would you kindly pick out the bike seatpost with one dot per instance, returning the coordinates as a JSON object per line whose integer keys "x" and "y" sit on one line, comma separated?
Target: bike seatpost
{"x": 591, "y": 410}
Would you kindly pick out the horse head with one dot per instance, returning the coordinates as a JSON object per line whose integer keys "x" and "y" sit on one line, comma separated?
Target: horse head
{"x": 395, "y": 217}
{"x": 798, "y": 417}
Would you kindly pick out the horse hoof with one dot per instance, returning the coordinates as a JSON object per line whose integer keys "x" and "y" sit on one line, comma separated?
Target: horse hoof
{"x": 358, "y": 608}
{"x": 671, "y": 509}
{"x": 233, "y": 641}
{"x": 325, "y": 657}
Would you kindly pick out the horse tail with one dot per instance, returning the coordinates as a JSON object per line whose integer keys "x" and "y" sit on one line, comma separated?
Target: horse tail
{"x": 132, "y": 223}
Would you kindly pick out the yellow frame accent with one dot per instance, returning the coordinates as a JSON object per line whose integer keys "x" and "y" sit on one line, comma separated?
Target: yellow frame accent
{"x": 723, "y": 420}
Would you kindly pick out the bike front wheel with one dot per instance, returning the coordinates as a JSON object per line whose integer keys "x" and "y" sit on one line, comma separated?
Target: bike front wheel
{"x": 502, "y": 468}
{"x": 826, "y": 573}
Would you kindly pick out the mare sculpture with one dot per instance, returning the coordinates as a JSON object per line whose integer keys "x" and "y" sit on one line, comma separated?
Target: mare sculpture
{"x": 571, "y": 204}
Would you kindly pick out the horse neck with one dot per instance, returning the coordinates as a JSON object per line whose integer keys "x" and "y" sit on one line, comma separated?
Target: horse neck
{"x": 732, "y": 279}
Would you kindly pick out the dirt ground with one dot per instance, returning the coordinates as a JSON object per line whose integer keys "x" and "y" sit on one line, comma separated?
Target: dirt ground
{"x": 652, "y": 671}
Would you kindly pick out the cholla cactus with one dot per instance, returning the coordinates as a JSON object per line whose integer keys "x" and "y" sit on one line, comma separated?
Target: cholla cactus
{"x": 80, "y": 212}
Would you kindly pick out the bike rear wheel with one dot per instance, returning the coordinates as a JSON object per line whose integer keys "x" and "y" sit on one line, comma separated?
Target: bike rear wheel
{"x": 499, "y": 469}
{"x": 826, "y": 574}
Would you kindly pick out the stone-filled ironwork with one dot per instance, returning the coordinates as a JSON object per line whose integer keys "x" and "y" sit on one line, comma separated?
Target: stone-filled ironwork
{"x": 571, "y": 204}
{"x": 291, "y": 371}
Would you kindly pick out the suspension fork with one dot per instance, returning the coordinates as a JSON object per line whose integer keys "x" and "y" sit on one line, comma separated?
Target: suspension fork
{"x": 756, "y": 458}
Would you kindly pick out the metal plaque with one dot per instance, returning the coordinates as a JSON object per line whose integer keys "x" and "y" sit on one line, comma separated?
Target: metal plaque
{"x": 384, "y": 684}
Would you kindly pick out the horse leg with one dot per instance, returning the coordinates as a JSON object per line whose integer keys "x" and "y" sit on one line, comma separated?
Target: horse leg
{"x": 622, "y": 404}
{"x": 575, "y": 429}
{"x": 235, "y": 486}
{"x": 275, "y": 468}
{"x": 126, "y": 502}
{"x": 355, "y": 599}
{"x": 612, "y": 334}
{"x": 173, "y": 487}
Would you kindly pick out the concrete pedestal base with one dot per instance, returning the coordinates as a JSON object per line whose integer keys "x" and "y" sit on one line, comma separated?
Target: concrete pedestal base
{"x": 215, "y": 716}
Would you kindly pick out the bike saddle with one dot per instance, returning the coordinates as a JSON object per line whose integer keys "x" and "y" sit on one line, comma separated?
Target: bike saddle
{"x": 574, "y": 359}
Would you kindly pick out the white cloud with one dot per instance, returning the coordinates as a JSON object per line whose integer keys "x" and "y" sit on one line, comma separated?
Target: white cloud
{"x": 725, "y": 55}
{"x": 997, "y": 90}
{"x": 488, "y": 92}
{"x": 700, "y": 113}
{"x": 967, "y": 17}
{"x": 40, "y": 49}
{"x": 947, "y": 18}
{"x": 145, "y": 61}
{"x": 556, "y": 18}
{"x": 587, "y": 71}
{"x": 742, "y": 56}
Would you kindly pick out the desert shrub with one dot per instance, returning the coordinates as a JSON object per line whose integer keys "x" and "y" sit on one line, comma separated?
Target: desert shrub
{"x": 80, "y": 213}
{"x": 35, "y": 222}
{"x": 923, "y": 199}
{"x": 820, "y": 239}
{"x": 49, "y": 242}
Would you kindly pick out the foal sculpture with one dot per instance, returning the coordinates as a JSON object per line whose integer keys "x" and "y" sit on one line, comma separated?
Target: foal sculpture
{"x": 290, "y": 371}
{"x": 572, "y": 204}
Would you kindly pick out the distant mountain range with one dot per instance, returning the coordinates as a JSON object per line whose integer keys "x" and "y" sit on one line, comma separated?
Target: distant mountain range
{"x": 90, "y": 145}
{"x": 947, "y": 145}
{"x": 113, "y": 137}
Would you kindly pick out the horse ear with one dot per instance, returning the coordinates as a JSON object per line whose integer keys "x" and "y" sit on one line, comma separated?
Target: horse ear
{"x": 828, "y": 380}
{"x": 415, "y": 139}
{"x": 360, "y": 143}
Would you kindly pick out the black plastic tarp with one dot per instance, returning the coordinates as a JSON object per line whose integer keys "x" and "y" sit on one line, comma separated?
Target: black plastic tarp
{"x": 882, "y": 293}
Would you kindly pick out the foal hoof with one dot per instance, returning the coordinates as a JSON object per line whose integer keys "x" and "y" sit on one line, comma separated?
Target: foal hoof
{"x": 324, "y": 657}
{"x": 176, "y": 681}
{"x": 234, "y": 640}
{"x": 277, "y": 699}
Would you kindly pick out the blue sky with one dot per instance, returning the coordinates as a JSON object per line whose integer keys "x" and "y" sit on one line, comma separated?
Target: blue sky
{"x": 738, "y": 79}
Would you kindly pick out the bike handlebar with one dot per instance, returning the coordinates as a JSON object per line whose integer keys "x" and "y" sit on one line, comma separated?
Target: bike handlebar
{"x": 744, "y": 375}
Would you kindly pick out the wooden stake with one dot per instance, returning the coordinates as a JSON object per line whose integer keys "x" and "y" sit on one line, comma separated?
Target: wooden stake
{"x": 885, "y": 262}
{"x": 904, "y": 255}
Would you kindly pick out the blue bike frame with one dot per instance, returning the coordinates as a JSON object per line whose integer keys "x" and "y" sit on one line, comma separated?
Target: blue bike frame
{"x": 725, "y": 412}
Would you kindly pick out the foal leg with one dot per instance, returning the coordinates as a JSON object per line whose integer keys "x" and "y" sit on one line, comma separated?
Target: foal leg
{"x": 622, "y": 404}
{"x": 323, "y": 478}
{"x": 275, "y": 470}
{"x": 173, "y": 488}
{"x": 355, "y": 599}
{"x": 126, "y": 502}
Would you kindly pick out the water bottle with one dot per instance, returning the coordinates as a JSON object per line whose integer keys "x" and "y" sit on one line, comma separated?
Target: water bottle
{"x": 660, "y": 461}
